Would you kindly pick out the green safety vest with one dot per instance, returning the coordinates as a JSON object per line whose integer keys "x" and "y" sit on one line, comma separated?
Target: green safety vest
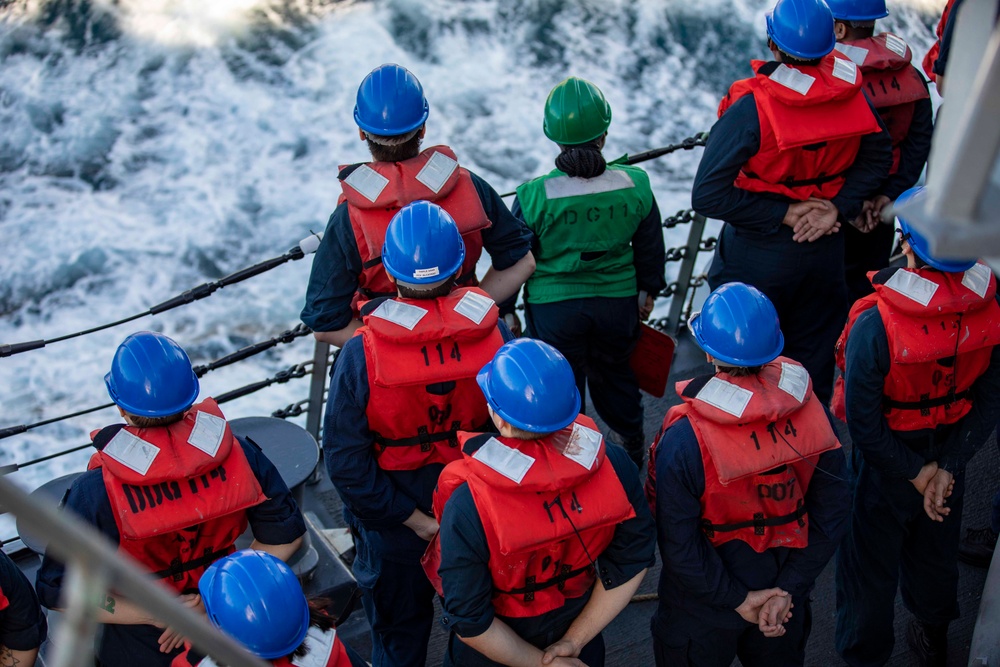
{"x": 584, "y": 228}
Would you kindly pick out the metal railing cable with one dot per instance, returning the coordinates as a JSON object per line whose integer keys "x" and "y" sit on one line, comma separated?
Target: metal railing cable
{"x": 305, "y": 247}
{"x": 241, "y": 354}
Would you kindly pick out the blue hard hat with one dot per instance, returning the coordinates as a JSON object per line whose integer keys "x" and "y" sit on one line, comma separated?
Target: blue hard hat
{"x": 802, "y": 28}
{"x": 919, "y": 243}
{"x": 391, "y": 102}
{"x": 858, "y": 10}
{"x": 257, "y": 600}
{"x": 738, "y": 326}
{"x": 422, "y": 245}
{"x": 531, "y": 385}
{"x": 151, "y": 376}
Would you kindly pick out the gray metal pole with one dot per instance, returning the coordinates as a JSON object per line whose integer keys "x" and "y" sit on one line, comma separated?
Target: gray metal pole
{"x": 77, "y": 542}
{"x": 685, "y": 273}
{"x": 317, "y": 385}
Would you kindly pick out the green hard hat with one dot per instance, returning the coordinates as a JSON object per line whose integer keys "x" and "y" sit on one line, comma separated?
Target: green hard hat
{"x": 576, "y": 112}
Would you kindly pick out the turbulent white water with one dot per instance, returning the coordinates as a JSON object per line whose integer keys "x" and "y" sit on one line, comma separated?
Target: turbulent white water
{"x": 152, "y": 145}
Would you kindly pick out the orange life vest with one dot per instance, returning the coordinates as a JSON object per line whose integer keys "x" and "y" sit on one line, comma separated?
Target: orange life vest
{"x": 375, "y": 191}
{"x": 4, "y": 602}
{"x": 935, "y": 50}
{"x": 811, "y": 119}
{"x": 567, "y": 500}
{"x": 893, "y": 84}
{"x": 178, "y": 493}
{"x": 415, "y": 424}
{"x": 760, "y": 438}
{"x": 941, "y": 328}
{"x": 325, "y": 650}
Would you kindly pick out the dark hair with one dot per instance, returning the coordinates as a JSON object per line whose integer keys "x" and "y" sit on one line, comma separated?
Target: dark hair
{"x": 320, "y": 618}
{"x": 582, "y": 160}
{"x": 792, "y": 60}
{"x": 740, "y": 371}
{"x": 153, "y": 422}
{"x": 385, "y": 153}
{"x": 858, "y": 29}
{"x": 444, "y": 289}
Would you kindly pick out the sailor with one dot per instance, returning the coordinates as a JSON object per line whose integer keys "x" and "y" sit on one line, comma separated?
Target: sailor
{"x": 173, "y": 488}
{"x": 22, "y": 625}
{"x": 401, "y": 391}
{"x": 936, "y": 59}
{"x": 899, "y": 93}
{"x": 544, "y": 533}
{"x": 795, "y": 153}
{"x": 256, "y": 599}
{"x": 391, "y": 114}
{"x": 922, "y": 370}
{"x": 598, "y": 247}
{"x": 749, "y": 493}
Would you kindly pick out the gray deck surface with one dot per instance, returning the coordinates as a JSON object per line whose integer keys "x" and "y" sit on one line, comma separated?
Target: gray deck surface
{"x": 628, "y": 639}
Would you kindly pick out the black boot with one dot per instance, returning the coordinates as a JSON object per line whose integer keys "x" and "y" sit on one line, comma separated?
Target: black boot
{"x": 978, "y": 546}
{"x": 636, "y": 449}
{"x": 929, "y": 643}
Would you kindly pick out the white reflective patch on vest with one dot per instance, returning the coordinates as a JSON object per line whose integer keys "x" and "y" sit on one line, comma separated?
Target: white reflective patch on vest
{"x": 793, "y": 79}
{"x": 726, "y": 396}
{"x": 583, "y": 446}
{"x": 132, "y": 451}
{"x": 794, "y": 381}
{"x": 368, "y": 182}
{"x": 857, "y": 54}
{"x": 896, "y": 45}
{"x": 320, "y": 646}
{"x": 572, "y": 186}
{"x": 403, "y": 314}
{"x": 977, "y": 279}
{"x": 207, "y": 433}
{"x": 845, "y": 71}
{"x": 507, "y": 461}
{"x": 474, "y": 306}
{"x": 912, "y": 286}
{"x": 437, "y": 171}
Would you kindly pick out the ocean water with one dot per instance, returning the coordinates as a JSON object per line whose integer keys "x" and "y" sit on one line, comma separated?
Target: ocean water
{"x": 149, "y": 146}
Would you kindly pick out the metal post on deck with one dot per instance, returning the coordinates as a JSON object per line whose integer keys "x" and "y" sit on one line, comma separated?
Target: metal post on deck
{"x": 685, "y": 274}
{"x": 317, "y": 385}
{"x": 89, "y": 554}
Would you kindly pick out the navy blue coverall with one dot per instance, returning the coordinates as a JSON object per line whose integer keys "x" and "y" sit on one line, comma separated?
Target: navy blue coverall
{"x": 804, "y": 281}
{"x": 277, "y": 520}
{"x": 22, "y": 625}
{"x": 333, "y": 281}
{"x": 702, "y": 585}
{"x": 397, "y": 597}
{"x": 468, "y": 586}
{"x": 891, "y": 540}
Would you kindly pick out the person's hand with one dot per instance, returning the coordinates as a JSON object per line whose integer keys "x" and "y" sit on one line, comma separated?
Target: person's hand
{"x": 773, "y": 615}
{"x": 935, "y": 494}
{"x": 424, "y": 526}
{"x": 514, "y": 324}
{"x": 171, "y": 640}
{"x": 646, "y": 308}
{"x": 821, "y": 220}
{"x": 798, "y": 210}
{"x": 567, "y": 662}
{"x": 750, "y": 609}
{"x": 866, "y": 220}
{"x": 564, "y": 648}
{"x": 924, "y": 477}
{"x": 875, "y": 211}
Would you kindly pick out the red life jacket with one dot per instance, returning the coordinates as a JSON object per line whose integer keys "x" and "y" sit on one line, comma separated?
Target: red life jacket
{"x": 893, "y": 84}
{"x": 760, "y": 438}
{"x": 812, "y": 119}
{"x": 375, "y": 191}
{"x": 941, "y": 329}
{"x": 935, "y": 50}
{"x": 566, "y": 513}
{"x": 4, "y": 602}
{"x": 413, "y": 425}
{"x": 178, "y": 493}
{"x": 325, "y": 650}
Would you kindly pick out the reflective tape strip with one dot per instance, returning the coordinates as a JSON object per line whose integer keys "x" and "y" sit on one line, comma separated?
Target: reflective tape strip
{"x": 571, "y": 186}
{"x": 857, "y": 54}
{"x": 792, "y": 79}
{"x": 977, "y": 279}
{"x": 896, "y": 45}
{"x": 726, "y": 396}
{"x": 794, "y": 381}
{"x": 207, "y": 433}
{"x": 583, "y": 445}
{"x": 474, "y": 306}
{"x": 437, "y": 171}
{"x": 913, "y": 287}
{"x": 132, "y": 451}
{"x": 507, "y": 461}
{"x": 403, "y": 314}
{"x": 368, "y": 182}
{"x": 845, "y": 70}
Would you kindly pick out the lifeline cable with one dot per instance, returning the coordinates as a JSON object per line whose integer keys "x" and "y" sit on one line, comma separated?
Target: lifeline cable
{"x": 305, "y": 247}
{"x": 200, "y": 371}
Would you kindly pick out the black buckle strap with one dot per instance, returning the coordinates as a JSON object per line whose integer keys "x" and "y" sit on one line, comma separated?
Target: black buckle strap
{"x": 531, "y": 586}
{"x": 926, "y": 403}
{"x": 796, "y": 183}
{"x": 179, "y": 567}
{"x": 423, "y": 438}
{"x": 759, "y": 522}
